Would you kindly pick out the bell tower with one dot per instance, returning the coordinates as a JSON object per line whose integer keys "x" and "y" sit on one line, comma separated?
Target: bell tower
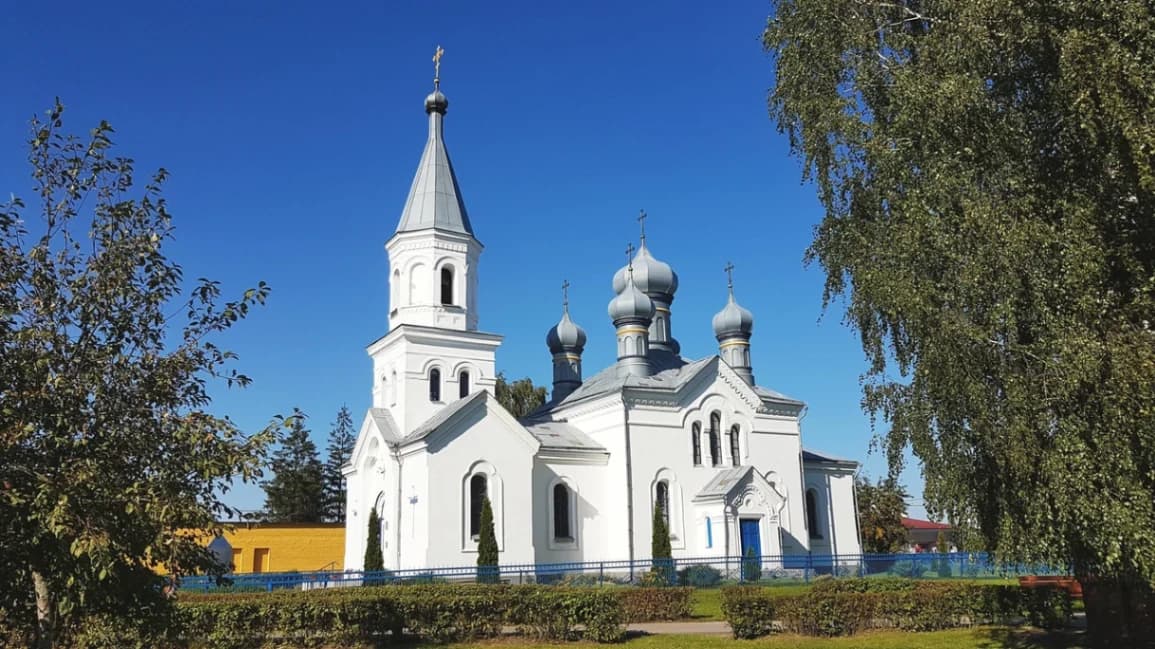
{"x": 433, "y": 353}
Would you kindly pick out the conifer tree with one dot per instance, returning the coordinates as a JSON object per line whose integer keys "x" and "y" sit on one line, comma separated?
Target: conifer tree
{"x": 341, "y": 440}
{"x": 374, "y": 560}
{"x": 487, "y": 572}
{"x": 294, "y": 494}
{"x": 660, "y": 550}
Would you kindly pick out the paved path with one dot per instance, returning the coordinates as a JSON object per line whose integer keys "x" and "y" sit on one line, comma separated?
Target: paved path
{"x": 696, "y": 628}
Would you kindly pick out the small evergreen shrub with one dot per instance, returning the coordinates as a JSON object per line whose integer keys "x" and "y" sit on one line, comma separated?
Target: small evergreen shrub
{"x": 487, "y": 570}
{"x": 751, "y": 566}
{"x": 700, "y": 576}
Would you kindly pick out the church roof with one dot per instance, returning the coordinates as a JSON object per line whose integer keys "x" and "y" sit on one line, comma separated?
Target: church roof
{"x": 671, "y": 372}
{"x": 826, "y": 458}
{"x": 723, "y": 482}
{"x": 556, "y": 434}
{"x": 435, "y": 199}
{"x": 385, "y": 424}
{"x": 442, "y": 416}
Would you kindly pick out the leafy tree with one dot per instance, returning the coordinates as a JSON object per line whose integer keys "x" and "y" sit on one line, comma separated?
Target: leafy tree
{"x": 374, "y": 560}
{"x": 487, "y": 572}
{"x": 295, "y": 492}
{"x": 520, "y": 397}
{"x": 110, "y": 461}
{"x": 988, "y": 181}
{"x": 881, "y": 508}
{"x": 341, "y": 440}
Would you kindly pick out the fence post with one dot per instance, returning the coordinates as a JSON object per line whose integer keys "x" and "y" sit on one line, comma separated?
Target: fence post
{"x": 602, "y": 573}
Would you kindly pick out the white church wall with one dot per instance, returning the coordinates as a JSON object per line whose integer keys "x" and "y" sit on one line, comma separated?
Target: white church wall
{"x": 593, "y": 538}
{"x": 780, "y": 452}
{"x": 411, "y": 533}
{"x": 485, "y": 444}
{"x": 603, "y": 421}
{"x": 837, "y": 523}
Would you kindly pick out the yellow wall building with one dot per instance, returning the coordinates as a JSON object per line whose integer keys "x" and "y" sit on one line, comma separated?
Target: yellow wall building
{"x": 283, "y": 547}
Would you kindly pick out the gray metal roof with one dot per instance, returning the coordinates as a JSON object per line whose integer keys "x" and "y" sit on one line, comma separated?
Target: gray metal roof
{"x": 443, "y": 416}
{"x": 557, "y": 434}
{"x": 385, "y": 424}
{"x": 435, "y": 199}
{"x": 723, "y": 482}
{"x": 815, "y": 456}
{"x": 671, "y": 372}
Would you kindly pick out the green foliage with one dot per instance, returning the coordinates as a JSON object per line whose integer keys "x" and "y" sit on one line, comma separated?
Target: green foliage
{"x": 437, "y": 613}
{"x": 342, "y": 437}
{"x": 641, "y": 604}
{"x": 520, "y": 397}
{"x": 988, "y": 181}
{"x": 660, "y": 536}
{"x": 295, "y": 494}
{"x": 846, "y": 606}
{"x": 110, "y": 461}
{"x": 700, "y": 576}
{"x": 751, "y": 566}
{"x": 374, "y": 560}
{"x": 487, "y": 571}
{"x": 881, "y": 508}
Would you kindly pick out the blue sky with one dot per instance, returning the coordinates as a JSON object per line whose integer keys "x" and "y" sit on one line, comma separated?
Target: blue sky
{"x": 292, "y": 130}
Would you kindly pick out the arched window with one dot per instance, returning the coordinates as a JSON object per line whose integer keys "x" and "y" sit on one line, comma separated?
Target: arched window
{"x": 447, "y": 285}
{"x": 662, "y": 500}
{"x": 696, "y": 442}
{"x": 715, "y": 441}
{"x": 709, "y": 533}
{"x": 463, "y": 384}
{"x": 561, "y": 522}
{"x": 435, "y": 384}
{"x": 735, "y": 446}
{"x": 478, "y": 492}
{"x": 812, "y": 513}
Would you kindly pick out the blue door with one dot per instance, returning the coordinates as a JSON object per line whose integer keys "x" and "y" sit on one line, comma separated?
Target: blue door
{"x": 751, "y": 537}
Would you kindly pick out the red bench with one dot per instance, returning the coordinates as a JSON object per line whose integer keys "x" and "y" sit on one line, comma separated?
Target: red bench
{"x": 1069, "y": 584}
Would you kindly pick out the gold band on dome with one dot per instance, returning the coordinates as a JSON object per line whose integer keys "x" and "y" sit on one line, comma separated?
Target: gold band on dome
{"x": 735, "y": 343}
{"x": 633, "y": 329}
{"x": 661, "y": 309}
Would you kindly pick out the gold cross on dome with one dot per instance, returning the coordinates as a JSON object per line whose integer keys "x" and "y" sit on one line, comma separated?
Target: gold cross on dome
{"x": 729, "y": 275}
{"x": 437, "y": 65}
{"x": 642, "y": 222}
{"x": 565, "y": 294}
{"x": 630, "y": 256}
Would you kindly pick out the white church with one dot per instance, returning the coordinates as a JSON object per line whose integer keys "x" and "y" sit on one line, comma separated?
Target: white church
{"x": 580, "y": 478}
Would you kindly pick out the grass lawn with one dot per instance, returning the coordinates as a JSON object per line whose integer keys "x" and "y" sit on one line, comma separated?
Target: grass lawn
{"x": 707, "y": 602}
{"x": 980, "y": 638}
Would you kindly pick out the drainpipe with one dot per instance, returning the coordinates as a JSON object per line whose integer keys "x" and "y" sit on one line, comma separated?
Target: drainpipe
{"x": 397, "y": 526}
{"x": 629, "y": 487}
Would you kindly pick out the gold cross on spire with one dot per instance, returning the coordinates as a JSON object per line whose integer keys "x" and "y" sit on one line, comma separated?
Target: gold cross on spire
{"x": 642, "y": 222}
{"x": 565, "y": 295}
{"x": 630, "y": 257}
{"x": 729, "y": 277}
{"x": 437, "y": 66}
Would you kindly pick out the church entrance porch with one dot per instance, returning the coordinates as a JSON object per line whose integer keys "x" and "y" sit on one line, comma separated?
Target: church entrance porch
{"x": 751, "y": 538}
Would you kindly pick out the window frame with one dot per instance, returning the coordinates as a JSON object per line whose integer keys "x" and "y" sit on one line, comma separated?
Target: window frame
{"x": 463, "y": 384}
{"x": 434, "y": 377}
{"x": 447, "y": 276}
{"x": 736, "y": 445}
{"x": 715, "y": 438}
{"x": 696, "y": 442}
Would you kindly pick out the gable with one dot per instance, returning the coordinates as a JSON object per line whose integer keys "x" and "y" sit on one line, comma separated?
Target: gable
{"x": 378, "y": 431}
{"x": 479, "y": 409}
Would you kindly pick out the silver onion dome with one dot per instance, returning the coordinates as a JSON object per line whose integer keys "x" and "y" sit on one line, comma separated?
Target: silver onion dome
{"x": 436, "y": 101}
{"x": 631, "y": 303}
{"x": 733, "y": 321}
{"x": 652, "y": 276}
{"x": 566, "y": 336}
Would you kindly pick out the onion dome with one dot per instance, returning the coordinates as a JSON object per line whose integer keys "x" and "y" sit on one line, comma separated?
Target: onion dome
{"x": 631, "y": 303}
{"x": 565, "y": 336}
{"x": 652, "y": 277}
{"x": 733, "y": 321}
{"x": 436, "y": 101}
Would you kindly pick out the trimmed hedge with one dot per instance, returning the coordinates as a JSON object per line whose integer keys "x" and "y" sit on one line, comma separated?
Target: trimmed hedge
{"x": 439, "y": 613}
{"x": 846, "y": 606}
{"x": 641, "y": 604}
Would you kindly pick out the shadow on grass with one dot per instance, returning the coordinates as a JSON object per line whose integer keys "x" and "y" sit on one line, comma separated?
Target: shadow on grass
{"x": 1012, "y": 638}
